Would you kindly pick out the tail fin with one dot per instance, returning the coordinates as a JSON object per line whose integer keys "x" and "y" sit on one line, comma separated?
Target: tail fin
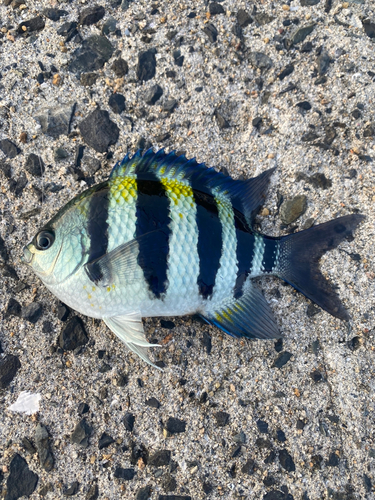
{"x": 299, "y": 261}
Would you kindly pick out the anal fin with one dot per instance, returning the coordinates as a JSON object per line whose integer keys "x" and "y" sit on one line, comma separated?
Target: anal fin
{"x": 250, "y": 316}
{"x": 129, "y": 329}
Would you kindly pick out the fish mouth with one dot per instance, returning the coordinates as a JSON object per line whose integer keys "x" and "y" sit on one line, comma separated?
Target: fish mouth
{"x": 27, "y": 256}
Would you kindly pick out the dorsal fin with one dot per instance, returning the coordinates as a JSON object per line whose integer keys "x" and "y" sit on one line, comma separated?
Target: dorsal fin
{"x": 246, "y": 196}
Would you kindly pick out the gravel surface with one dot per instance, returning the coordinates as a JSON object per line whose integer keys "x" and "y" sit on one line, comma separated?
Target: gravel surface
{"x": 242, "y": 86}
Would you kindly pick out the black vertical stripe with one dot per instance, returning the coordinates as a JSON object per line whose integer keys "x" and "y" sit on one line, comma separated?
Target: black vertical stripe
{"x": 152, "y": 212}
{"x": 97, "y": 223}
{"x": 269, "y": 255}
{"x": 244, "y": 252}
{"x": 210, "y": 241}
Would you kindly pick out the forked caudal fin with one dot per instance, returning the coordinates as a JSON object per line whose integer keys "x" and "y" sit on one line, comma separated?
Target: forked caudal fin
{"x": 299, "y": 261}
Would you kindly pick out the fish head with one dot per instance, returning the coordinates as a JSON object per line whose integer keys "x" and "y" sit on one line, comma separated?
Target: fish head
{"x": 59, "y": 248}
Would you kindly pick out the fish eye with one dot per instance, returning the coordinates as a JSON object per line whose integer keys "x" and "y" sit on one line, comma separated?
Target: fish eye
{"x": 44, "y": 240}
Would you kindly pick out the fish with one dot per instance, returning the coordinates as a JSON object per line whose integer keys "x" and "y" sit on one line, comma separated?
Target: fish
{"x": 168, "y": 236}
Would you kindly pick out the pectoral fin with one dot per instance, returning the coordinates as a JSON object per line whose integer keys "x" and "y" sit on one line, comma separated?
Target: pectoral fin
{"x": 130, "y": 330}
{"x": 250, "y": 316}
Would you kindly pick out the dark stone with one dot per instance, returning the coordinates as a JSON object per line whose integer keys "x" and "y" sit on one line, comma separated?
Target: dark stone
{"x": 279, "y": 342}
{"x": 271, "y": 457}
{"x": 248, "y": 467}
{"x": 323, "y": 63}
{"x": 263, "y": 18}
{"x": 153, "y": 402}
{"x": 91, "y": 15}
{"x": 81, "y": 434}
{"x": 98, "y": 131}
{"x": 120, "y": 67}
{"x": 42, "y": 445}
{"x": 211, "y": 32}
{"x": 13, "y": 309}
{"x": 369, "y": 131}
{"x": 146, "y": 67}
{"x": 309, "y": 137}
{"x": 320, "y": 81}
{"x": 129, "y": 420}
{"x": 34, "y": 165}
{"x": 126, "y": 474}
{"x": 28, "y": 445}
{"x": 94, "y": 52}
{"x": 169, "y": 483}
{"x": 54, "y": 14}
{"x": 221, "y": 121}
{"x": 170, "y": 105}
{"x": 93, "y": 493}
{"x": 369, "y": 28}
{"x": 257, "y": 121}
{"x": 282, "y": 359}
{"x": 153, "y": 94}
{"x": 62, "y": 311}
{"x": 105, "y": 440}
{"x": 333, "y": 460}
{"x": 9, "y": 148}
{"x": 289, "y": 68}
{"x": 330, "y": 135}
{"x": 236, "y": 451}
{"x": 3, "y": 250}
{"x": 222, "y": 418}
{"x": 73, "y": 334}
{"x": 299, "y": 36}
{"x": 6, "y": 270}
{"x": 67, "y": 29}
{"x": 34, "y": 24}
{"x": 88, "y": 79}
{"x": 21, "y": 480}
{"x": 291, "y": 210}
{"x": 9, "y": 365}
{"x": 45, "y": 489}
{"x": 354, "y": 343}
{"x": 309, "y": 3}
{"x": 215, "y": 8}
{"x": 143, "y": 493}
{"x": 356, "y": 114}
{"x": 6, "y": 169}
{"x": 162, "y": 137}
{"x": 56, "y": 121}
{"x": 207, "y": 487}
{"x": 316, "y": 376}
{"x": 312, "y": 309}
{"x": 160, "y": 458}
{"x": 319, "y": 181}
{"x": 174, "y": 497}
{"x": 260, "y": 60}
{"x": 175, "y": 425}
{"x": 280, "y": 435}
{"x": 277, "y": 495}
{"x": 169, "y": 325}
{"x": 32, "y": 312}
{"x": 72, "y": 490}
{"x": 262, "y": 426}
{"x": 206, "y": 342}
{"x": 117, "y": 103}
{"x": 368, "y": 483}
{"x": 243, "y": 18}
{"x": 301, "y": 424}
{"x": 304, "y": 105}
{"x": 286, "y": 461}
{"x": 83, "y": 408}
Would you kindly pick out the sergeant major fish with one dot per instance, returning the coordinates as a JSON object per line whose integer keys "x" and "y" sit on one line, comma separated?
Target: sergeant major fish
{"x": 166, "y": 236}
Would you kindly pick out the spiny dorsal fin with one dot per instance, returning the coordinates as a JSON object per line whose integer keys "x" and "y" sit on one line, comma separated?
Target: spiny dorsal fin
{"x": 247, "y": 196}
